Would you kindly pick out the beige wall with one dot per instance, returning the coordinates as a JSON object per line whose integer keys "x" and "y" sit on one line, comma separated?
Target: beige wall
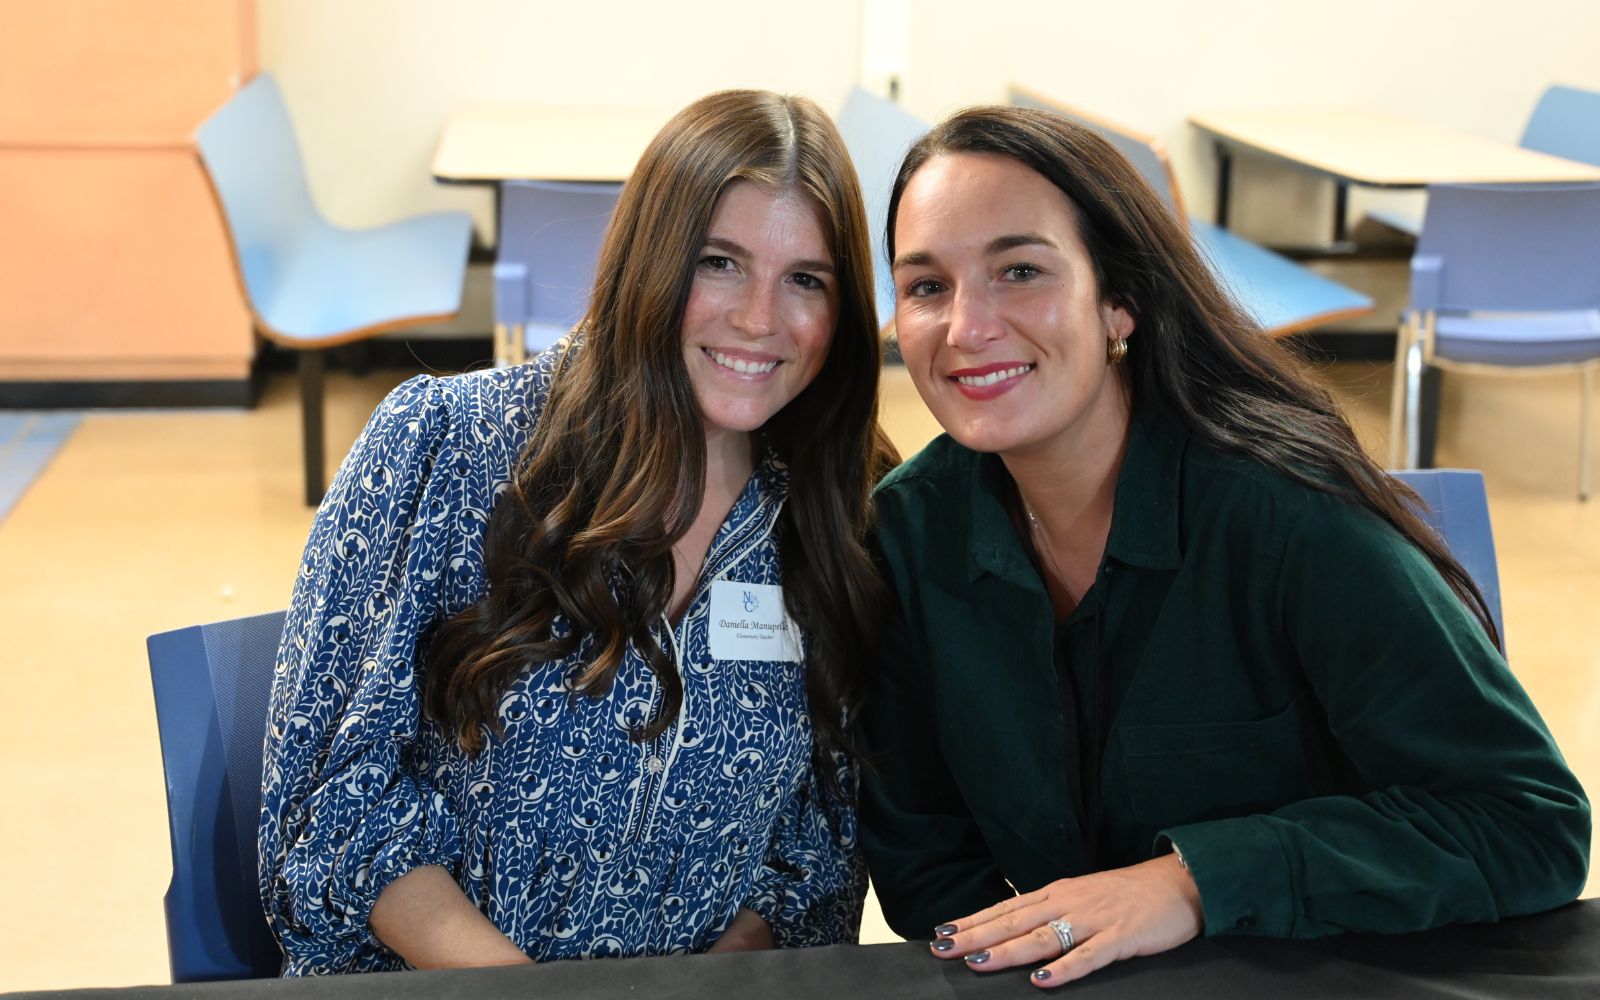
{"x": 1476, "y": 65}
{"x": 370, "y": 82}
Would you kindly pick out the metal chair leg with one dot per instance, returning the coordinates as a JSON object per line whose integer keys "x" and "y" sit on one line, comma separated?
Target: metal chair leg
{"x": 1397, "y": 395}
{"x": 1585, "y": 411}
{"x": 311, "y": 423}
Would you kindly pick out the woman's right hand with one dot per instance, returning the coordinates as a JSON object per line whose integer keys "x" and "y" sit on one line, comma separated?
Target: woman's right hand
{"x": 425, "y": 918}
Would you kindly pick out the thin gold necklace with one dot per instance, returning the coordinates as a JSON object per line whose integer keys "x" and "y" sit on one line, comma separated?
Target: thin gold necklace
{"x": 1041, "y": 542}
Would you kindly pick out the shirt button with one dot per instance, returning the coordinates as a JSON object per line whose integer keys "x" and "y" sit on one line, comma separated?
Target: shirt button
{"x": 1245, "y": 922}
{"x": 655, "y": 765}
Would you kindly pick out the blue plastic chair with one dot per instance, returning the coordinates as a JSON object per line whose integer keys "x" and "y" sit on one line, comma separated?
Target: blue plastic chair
{"x": 1455, "y": 505}
{"x": 310, "y": 284}
{"x": 211, "y": 684}
{"x": 1277, "y": 293}
{"x": 1503, "y": 278}
{"x": 877, "y": 132}
{"x": 550, "y": 235}
{"x": 1565, "y": 123}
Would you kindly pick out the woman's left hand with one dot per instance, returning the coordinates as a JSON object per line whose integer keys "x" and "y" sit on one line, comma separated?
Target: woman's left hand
{"x": 1142, "y": 910}
{"x": 747, "y": 932}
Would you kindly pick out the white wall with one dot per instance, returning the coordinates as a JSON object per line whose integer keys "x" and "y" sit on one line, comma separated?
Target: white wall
{"x": 370, "y": 82}
{"x": 1474, "y": 65}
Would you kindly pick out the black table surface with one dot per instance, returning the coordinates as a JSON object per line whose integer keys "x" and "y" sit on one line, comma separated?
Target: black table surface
{"x": 1553, "y": 955}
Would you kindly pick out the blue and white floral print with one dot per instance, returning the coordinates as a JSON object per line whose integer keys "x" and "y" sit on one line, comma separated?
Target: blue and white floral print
{"x": 575, "y": 840}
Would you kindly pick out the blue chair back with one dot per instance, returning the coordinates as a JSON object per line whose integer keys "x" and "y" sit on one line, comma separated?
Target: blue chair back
{"x": 550, "y": 236}
{"x": 250, "y": 151}
{"x": 212, "y": 683}
{"x": 877, "y": 133}
{"x": 1142, "y": 151}
{"x": 1455, "y": 505}
{"x": 1508, "y": 249}
{"x": 1566, "y": 122}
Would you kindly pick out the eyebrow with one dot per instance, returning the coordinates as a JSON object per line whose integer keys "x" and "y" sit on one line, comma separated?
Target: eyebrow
{"x": 735, "y": 248}
{"x": 1000, "y": 244}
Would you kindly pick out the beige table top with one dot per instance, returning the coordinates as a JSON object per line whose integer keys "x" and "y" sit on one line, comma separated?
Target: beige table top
{"x": 1381, "y": 150}
{"x": 484, "y": 143}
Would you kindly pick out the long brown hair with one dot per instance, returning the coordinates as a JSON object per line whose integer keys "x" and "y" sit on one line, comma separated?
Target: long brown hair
{"x": 613, "y": 474}
{"x": 1198, "y": 357}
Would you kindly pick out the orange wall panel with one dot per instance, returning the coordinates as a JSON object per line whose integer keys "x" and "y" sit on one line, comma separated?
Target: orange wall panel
{"x": 116, "y": 261}
{"x": 119, "y": 72}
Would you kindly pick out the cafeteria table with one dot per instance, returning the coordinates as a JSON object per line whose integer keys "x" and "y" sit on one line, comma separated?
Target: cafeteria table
{"x": 1551, "y": 956}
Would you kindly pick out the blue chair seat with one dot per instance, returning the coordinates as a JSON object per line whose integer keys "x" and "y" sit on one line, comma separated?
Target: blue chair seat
{"x": 1279, "y": 294}
{"x": 348, "y": 281}
{"x": 1530, "y": 340}
{"x": 1400, "y": 220}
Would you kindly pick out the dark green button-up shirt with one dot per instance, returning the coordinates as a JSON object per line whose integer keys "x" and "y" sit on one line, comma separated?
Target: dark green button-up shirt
{"x": 1291, "y": 694}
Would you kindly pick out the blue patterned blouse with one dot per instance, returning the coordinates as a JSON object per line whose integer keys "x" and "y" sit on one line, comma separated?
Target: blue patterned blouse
{"x": 573, "y": 839}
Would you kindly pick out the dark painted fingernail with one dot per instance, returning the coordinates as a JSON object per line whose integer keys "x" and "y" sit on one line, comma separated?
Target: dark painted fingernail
{"x": 979, "y": 957}
{"x": 943, "y": 944}
{"x": 944, "y": 930}
{"x": 1041, "y": 975}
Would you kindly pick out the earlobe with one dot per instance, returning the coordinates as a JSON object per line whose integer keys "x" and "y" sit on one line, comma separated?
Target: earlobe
{"x": 1119, "y": 325}
{"x": 1118, "y": 320}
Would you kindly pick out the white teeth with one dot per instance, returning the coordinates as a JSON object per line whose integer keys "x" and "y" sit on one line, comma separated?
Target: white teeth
{"x": 979, "y": 381}
{"x": 740, "y": 365}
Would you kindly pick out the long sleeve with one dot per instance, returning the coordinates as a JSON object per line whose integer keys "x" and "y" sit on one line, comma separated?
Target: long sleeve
{"x": 926, "y": 851}
{"x": 812, "y": 882}
{"x": 342, "y": 816}
{"x": 1472, "y": 814}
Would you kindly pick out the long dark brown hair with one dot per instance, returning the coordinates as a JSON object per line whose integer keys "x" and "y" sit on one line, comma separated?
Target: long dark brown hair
{"x": 613, "y": 474}
{"x": 1197, "y": 357}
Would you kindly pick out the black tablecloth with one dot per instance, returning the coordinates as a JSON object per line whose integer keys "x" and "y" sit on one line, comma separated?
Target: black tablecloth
{"x": 1551, "y": 956}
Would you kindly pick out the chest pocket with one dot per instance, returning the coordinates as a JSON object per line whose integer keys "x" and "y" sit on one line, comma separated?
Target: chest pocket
{"x": 1189, "y": 773}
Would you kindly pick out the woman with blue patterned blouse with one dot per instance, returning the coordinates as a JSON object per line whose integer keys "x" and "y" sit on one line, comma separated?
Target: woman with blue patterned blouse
{"x": 572, "y": 646}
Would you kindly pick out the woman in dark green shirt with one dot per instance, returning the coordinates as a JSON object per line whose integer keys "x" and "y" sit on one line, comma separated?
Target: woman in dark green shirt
{"x": 1174, "y": 655}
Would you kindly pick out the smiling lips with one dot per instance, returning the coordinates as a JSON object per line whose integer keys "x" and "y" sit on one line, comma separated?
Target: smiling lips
{"x": 990, "y": 380}
{"x": 738, "y": 365}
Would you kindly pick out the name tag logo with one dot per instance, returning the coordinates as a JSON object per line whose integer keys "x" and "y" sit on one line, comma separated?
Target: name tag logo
{"x": 750, "y": 622}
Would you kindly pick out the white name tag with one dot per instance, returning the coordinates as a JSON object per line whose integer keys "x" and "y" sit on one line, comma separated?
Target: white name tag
{"x": 749, "y": 622}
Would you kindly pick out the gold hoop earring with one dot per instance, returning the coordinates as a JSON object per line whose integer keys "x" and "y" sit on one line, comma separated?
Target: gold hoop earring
{"x": 1116, "y": 349}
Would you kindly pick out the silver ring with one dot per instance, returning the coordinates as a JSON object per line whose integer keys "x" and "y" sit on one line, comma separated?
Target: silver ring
{"x": 1063, "y": 929}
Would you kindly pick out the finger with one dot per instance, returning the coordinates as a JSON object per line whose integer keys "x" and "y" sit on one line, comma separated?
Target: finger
{"x": 999, "y": 909}
{"x": 1038, "y": 944}
{"x": 1015, "y": 924}
{"x": 1095, "y": 953}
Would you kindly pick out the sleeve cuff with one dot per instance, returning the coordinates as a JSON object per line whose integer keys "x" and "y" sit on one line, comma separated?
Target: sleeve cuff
{"x": 766, "y": 902}
{"x": 1241, "y": 872}
{"x": 440, "y": 845}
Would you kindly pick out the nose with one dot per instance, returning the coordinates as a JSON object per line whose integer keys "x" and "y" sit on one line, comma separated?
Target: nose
{"x": 754, "y": 311}
{"x": 973, "y": 319}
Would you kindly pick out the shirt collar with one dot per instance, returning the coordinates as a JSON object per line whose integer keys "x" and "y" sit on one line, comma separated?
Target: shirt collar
{"x": 1144, "y": 525}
